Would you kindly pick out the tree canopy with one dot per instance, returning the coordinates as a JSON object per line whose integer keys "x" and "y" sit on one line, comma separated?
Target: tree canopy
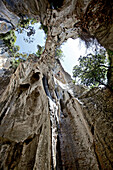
{"x": 92, "y": 69}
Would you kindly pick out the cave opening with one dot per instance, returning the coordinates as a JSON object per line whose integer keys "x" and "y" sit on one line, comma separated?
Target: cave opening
{"x": 29, "y": 39}
{"x": 87, "y": 65}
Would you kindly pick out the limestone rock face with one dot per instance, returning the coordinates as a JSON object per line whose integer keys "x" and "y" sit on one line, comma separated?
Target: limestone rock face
{"x": 43, "y": 125}
{"x": 66, "y": 19}
{"x": 25, "y": 122}
{"x": 46, "y": 122}
{"x": 8, "y": 19}
{"x": 5, "y": 70}
{"x": 97, "y": 110}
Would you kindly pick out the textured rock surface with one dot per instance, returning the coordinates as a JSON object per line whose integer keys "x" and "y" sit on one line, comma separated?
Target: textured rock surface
{"x": 77, "y": 17}
{"x": 5, "y": 70}
{"x": 25, "y": 122}
{"x": 8, "y": 20}
{"x": 32, "y": 104}
{"x": 46, "y": 121}
{"x": 98, "y": 111}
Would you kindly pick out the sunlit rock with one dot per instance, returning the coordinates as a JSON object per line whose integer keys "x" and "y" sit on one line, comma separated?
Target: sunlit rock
{"x": 5, "y": 27}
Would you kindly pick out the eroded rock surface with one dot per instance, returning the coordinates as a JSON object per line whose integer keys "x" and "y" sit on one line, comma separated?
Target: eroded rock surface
{"x": 46, "y": 121}
{"x": 25, "y": 122}
{"x": 41, "y": 118}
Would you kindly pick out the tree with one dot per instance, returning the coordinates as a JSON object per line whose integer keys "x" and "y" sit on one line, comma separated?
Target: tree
{"x": 59, "y": 53}
{"x": 39, "y": 51}
{"x": 9, "y": 38}
{"x": 92, "y": 69}
{"x": 45, "y": 29}
{"x": 110, "y": 70}
{"x": 26, "y": 26}
{"x": 18, "y": 58}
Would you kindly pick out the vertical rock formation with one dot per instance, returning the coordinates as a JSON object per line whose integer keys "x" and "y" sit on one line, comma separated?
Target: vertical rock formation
{"x": 46, "y": 122}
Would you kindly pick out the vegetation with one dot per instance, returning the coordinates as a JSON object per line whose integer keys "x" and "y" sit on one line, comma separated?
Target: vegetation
{"x": 18, "y": 58}
{"x": 92, "y": 69}
{"x": 9, "y": 39}
{"x": 33, "y": 21}
{"x": 110, "y": 70}
{"x": 39, "y": 51}
{"x": 15, "y": 63}
{"x": 22, "y": 56}
{"x": 59, "y": 54}
{"x": 45, "y": 29}
{"x": 24, "y": 24}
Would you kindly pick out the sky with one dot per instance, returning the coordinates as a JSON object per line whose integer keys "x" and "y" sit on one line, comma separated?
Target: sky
{"x": 72, "y": 49}
{"x": 39, "y": 38}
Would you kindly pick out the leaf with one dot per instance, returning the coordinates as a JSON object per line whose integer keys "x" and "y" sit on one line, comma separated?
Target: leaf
{"x": 91, "y": 69}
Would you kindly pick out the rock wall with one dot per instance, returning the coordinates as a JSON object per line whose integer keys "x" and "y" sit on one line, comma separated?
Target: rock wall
{"x": 97, "y": 110}
{"x": 87, "y": 19}
{"x": 46, "y": 121}
{"x": 25, "y": 122}
{"x": 43, "y": 125}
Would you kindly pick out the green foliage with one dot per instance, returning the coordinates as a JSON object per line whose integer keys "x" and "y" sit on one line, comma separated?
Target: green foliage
{"x": 9, "y": 38}
{"x": 19, "y": 57}
{"x": 13, "y": 50}
{"x": 15, "y": 63}
{"x": 44, "y": 28}
{"x": 91, "y": 70}
{"x": 110, "y": 52}
{"x": 59, "y": 54}
{"x": 25, "y": 24}
{"x": 110, "y": 56}
{"x": 73, "y": 81}
{"x": 33, "y": 21}
{"x": 39, "y": 51}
